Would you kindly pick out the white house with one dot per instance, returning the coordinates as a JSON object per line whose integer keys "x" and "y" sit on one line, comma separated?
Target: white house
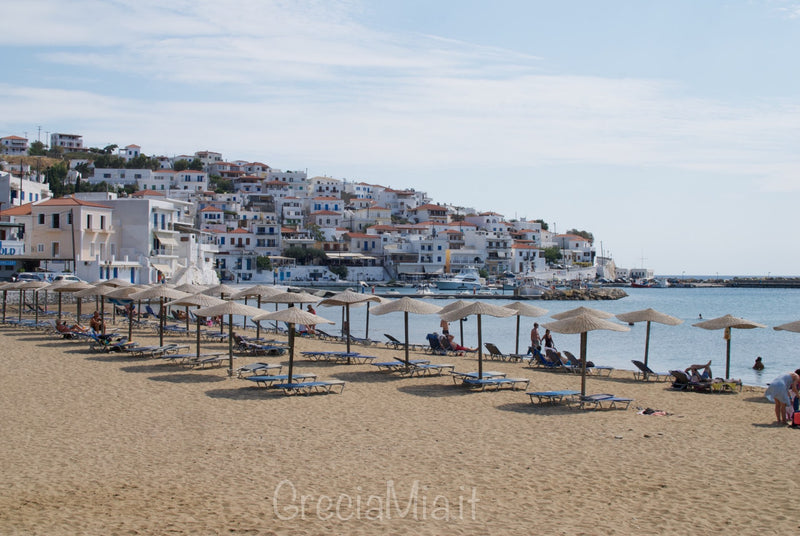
{"x": 14, "y": 145}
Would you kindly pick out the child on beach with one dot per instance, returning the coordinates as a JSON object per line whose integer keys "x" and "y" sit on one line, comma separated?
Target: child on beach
{"x": 781, "y": 390}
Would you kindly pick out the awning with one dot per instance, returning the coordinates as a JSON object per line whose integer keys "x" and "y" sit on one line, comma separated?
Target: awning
{"x": 167, "y": 239}
{"x": 163, "y": 268}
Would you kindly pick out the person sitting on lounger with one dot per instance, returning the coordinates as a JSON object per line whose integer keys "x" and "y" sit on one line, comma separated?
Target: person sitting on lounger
{"x": 449, "y": 342}
{"x": 96, "y": 322}
{"x": 67, "y": 331}
{"x": 696, "y": 376}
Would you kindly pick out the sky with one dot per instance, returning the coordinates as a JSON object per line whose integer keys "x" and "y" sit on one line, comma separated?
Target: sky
{"x": 669, "y": 130}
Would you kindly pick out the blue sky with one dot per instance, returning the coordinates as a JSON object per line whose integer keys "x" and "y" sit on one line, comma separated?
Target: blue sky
{"x": 667, "y": 129}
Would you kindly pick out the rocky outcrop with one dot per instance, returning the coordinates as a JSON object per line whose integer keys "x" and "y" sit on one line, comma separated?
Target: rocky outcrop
{"x": 585, "y": 294}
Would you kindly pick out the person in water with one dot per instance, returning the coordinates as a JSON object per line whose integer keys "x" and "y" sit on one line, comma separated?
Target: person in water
{"x": 759, "y": 364}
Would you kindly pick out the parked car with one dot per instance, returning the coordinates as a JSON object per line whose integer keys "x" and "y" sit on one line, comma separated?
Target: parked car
{"x": 27, "y": 276}
{"x": 68, "y": 277}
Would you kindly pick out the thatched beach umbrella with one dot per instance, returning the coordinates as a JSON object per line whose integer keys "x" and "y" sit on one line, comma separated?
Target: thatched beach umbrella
{"x": 406, "y": 305}
{"x": 649, "y": 315}
{"x": 726, "y": 323}
{"x": 35, "y": 286}
{"x": 5, "y": 287}
{"x": 580, "y": 310}
{"x": 791, "y": 326}
{"x": 479, "y": 309}
{"x": 162, "y": 293}
{"x": 199, "y": 300}
{"x": 229, "y": 308}
{"x": 292, "y": 316}
{"x": 124, "y": 293}
{"x": 524, "y": 309}
{"x": 583, "y": 323}
{"x": 346, "y": 299}
{"x": 290, "y": 298}
{"x": 221, "y": 290}
{"x": 74, "y": 287}
{"x": 458, "y": 304}
{"x": 259, "y": 292}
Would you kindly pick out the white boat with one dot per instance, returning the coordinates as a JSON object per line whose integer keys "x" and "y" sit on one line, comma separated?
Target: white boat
{"x": 530, "y": 286}
{"x": 467, "y": 279}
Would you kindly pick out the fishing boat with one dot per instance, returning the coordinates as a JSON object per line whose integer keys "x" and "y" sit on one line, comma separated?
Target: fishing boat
{"x": 467, "y": 279}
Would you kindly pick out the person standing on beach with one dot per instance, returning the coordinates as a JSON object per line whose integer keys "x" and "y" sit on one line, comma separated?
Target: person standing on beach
{"x": 548, "y": 340}
{"x": 536, "y": 339}
{"x": 781, "y": 390}
{"x": 445, "y": 325}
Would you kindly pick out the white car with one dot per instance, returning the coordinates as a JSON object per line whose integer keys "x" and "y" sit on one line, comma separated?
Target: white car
{"x": 67, "y": 277}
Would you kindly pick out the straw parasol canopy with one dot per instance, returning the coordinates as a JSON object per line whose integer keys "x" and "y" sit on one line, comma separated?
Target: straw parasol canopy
{"x": 580, "y": 310}
{"x": 791, "y": 326}
{"x": 259, "y": 292}
{"x": 192, "y": 288}
{"x": 345, "y": 299}
{"x": 406, "y": 305}
{"x": 452, "y": 306}
{"x": 116, "y": 282}
{"x": 160, "y": 292}
{"x": 479, "y": 308}
{"x": 524, "y": 309}
{"x": 229, "y": 308}
{"x": 583, "y": 323}
{"x": 292, "y": 316}
{"x": 221, "y": 290}
{"x": 728, "y": 322}
{"x": 648, "y": 315}
{"x": 198, "y": 300}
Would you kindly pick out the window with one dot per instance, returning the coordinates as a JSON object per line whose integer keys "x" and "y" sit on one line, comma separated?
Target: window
{"x": 55, "y": 249}
{"x": 88, "y": 221}
{"x": 102, "y": 222}
{"x": 56, "y": 221}
{"x": 69, "y": 218}
{"x": 41, "y": 218}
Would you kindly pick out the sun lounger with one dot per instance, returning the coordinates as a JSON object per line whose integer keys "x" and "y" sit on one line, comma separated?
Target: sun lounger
{"x": 427, "y": 369}
{"x": 257, "y": 368}
{"x": 552, "y": 397}
{"x": 195, "y": 361}
{"x": 216, "y": 336}
{"x": 495, "y": 353}
{"x": 720, "y": 385}
{"x": 393, "y": 342}
{"x": 684, "y": 383}
{"x": 645, "y": 373}
{"x": 604, "y": 401}
{"x": 362, "y": 341}
{"x": 310, "y": 388}
{"x": 399, "y": 365}
{"x": 435, "y": 346}
{"x": 495, "y": 384}
{"x": 324, "y": 335}
{"x": 269, "y": 381}
{"x": 461, "y": 376}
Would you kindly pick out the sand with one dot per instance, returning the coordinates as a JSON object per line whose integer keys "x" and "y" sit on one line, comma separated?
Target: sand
{"x": 96, "y": 443}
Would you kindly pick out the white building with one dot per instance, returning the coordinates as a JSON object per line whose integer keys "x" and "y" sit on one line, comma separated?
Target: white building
{"x": 70, "y": 142}
{"x": 14, "y": 145}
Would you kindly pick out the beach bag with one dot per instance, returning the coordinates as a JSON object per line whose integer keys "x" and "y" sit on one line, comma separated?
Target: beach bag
{"x": 796, "y": 419}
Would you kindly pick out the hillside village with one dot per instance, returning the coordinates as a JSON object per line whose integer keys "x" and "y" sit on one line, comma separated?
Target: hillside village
{"x": 202, "y": 218}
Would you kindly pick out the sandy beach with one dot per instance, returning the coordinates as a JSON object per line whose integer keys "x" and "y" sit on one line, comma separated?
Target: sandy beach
{"x": 99, "y": 443}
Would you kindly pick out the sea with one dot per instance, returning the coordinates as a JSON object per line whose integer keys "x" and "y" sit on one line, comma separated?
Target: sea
{"x": 671, "y": 347}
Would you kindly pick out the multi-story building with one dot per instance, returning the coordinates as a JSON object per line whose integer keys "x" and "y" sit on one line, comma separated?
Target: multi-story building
{"x": 14, "y": 145}
{"x": 70, "y": 142}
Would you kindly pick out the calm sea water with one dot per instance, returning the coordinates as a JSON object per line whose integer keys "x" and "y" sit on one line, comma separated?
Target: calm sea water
{"x": 671, "y": 347}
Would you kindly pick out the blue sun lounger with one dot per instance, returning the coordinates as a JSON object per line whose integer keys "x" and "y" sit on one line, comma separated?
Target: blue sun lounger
{"x": 399, "y": 365}
{"x": 495, "y": 384}
{"x": 269, "y": 381}
{"x": 604, "y": 401}
{"x": 552, "y": 397}
{"x": 257, "y": 368}
{"x": 427, "y": 369}
{"x": 474, "y": 375}
{"x": 312, "y": 388}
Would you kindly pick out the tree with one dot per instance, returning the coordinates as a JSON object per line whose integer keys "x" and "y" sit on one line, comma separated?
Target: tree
{"x": 220, "y": 185}
{"x": 583, "y": 234}
{"x": 305, "y": 255}
{"x": 545, "y": 227}
{"x": 180, "y": 165}
{"x": 339, "y": 270}
{"x": 55, "y": 176}
{"x": 315, "y": 232}
{"x": 37, "y": 149}
{"x": 552, "y": 254}
{"x": 263, "y": 263}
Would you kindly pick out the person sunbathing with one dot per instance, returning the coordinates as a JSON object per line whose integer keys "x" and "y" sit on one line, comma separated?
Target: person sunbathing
{"x": 694, "y": 372}
{"x": 67, "y": 331}
{"x": 450, "y": 343}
